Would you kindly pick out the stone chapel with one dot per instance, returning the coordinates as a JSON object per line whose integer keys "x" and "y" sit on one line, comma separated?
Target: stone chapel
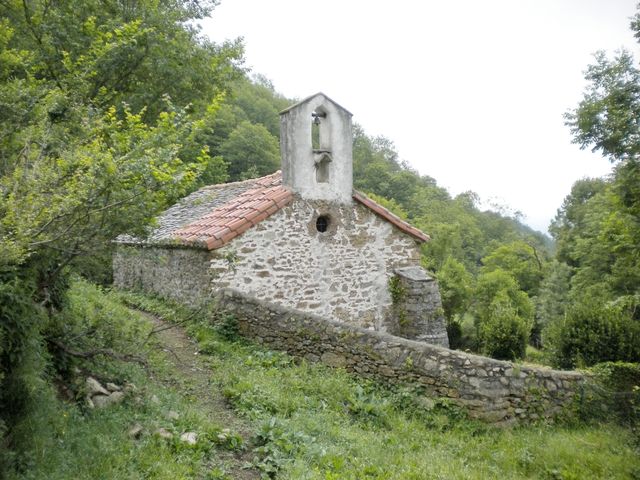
{"x": 301, "y": 238}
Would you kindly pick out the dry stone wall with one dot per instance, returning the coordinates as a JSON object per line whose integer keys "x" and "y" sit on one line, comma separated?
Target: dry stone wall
{"x": 493, "y": 390}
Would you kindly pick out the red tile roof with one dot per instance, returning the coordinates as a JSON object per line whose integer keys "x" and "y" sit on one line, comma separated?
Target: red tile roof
{"x": 390, "y": 217}
{"x": 226, "y": 222}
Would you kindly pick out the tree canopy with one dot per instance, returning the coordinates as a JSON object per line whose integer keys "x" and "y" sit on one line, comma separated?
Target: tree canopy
{"x": 101, "y": 112}
{"x": 597, "y": 229}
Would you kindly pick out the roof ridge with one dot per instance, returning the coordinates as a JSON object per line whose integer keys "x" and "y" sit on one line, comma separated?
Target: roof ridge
{"x": 215, "y": 186}
{"x": 390, "y": 216}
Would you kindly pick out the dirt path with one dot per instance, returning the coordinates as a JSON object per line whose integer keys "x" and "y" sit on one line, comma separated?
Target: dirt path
{"x": 194, "y": 379}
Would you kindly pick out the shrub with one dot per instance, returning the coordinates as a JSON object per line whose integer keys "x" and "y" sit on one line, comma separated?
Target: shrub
{"x": 503, "y": 333}
{"x": 614, "y": 392}
{"x": 503, "y": 315}
{"x": 22, "y": 366}
{"x": 277, "y": 446}
{"x": 593, "y": 332}
{"x": 93, "y": 320}
{"x": 227, "y": 327}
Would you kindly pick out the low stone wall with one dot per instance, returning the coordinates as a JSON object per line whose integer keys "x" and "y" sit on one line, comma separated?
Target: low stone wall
{"x": 493, "y": 390}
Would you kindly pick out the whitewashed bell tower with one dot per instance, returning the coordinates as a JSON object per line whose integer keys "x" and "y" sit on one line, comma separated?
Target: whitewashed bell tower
{"x": 316, "y": 142}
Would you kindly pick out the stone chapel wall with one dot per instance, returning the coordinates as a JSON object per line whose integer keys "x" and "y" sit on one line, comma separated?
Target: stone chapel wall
{"x": 342, "y": 274}
{"x": 181, "y": 274}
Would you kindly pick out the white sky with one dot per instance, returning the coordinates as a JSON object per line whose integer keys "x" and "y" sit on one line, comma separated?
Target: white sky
{"x": 471, "y": 92}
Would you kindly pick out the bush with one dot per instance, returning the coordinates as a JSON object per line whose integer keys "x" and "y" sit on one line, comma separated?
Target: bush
{"x": 503, "y": 315}
{"x": 503, "y": 333}
{"x": 593, "y": 332}
{"x": 23, "y": 360}
{"x": 614, "y": 392}
{"x": 93, "y": 319}
{"x": 227, "y": 327}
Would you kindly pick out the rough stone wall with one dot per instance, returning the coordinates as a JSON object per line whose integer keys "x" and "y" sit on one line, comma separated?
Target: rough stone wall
{"x": 493, "y": 390}
{"x": 178, "y": 273}
{"x": 341, "y": 274}
{"x": 417, "y": 307}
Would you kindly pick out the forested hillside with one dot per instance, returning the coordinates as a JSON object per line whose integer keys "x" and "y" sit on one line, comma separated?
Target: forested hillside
{"x": 112, "y": 112}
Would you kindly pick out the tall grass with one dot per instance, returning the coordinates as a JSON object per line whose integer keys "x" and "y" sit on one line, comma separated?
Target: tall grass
{"x": 321, "y": 423}
{"x": 312, "y": 422}
{"x": 69, "y": 441}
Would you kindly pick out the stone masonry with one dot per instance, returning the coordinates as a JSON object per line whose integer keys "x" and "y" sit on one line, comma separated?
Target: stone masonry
{"x": 493, "y": 390}
{"x": 182, "y": 274}
{"x": 341, "y": 274}
{"x": 417, "y": 307}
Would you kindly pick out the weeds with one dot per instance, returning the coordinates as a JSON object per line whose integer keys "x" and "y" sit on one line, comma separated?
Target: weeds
{"x": 277, "y": 445}
{"x": 312, "y": 423}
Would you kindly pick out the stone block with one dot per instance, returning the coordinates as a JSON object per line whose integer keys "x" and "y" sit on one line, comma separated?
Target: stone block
{"x": 333, "y": 360}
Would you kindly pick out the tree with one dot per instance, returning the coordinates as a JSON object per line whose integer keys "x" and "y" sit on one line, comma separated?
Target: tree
{"x": 456, "y": 285}
{"x": 503, "y": 333}
{"x": 521, "y": 260}
{"x": 259, "y": 102}
{"x": 607, "y": 121}
{"x": 503, "y": 315}
{"x": 597, "y": 227}
{"x": 606, "y": 118}
{"x": 570, "y": 222}
{"x": 490, "y": 284}
{"x": 100, "y": 113}
{"x": 552, "y": 300}
{"x": 250, "y": 151}
{"x": 110, "y": 52}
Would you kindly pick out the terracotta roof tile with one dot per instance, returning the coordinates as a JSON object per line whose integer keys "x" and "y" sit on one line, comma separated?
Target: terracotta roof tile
{"x": 255, "y": 219}
{"x": 390, "y": 217}
{"x": 213, "y": 243}
{"x": 221, "y": 225}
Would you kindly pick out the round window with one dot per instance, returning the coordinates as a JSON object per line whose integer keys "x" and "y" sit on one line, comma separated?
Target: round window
{"x": 322, "y": 223}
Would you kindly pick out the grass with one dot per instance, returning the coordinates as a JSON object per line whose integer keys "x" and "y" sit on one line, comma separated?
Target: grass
{"x": 320, "y": 423}
{"x": 355, "y": 430}
{"x": 311, "y": 422}
{"x": 537, "y": 357}
{"x": 69, "y": 441}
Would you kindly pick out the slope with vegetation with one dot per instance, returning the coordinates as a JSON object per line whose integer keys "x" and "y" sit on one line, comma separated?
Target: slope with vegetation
{"x": 256, "y": 413}
{"x": 101, "y": 109}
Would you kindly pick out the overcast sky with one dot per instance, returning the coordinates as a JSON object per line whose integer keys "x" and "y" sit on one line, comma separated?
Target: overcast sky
{"x": 471, "y": 92}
